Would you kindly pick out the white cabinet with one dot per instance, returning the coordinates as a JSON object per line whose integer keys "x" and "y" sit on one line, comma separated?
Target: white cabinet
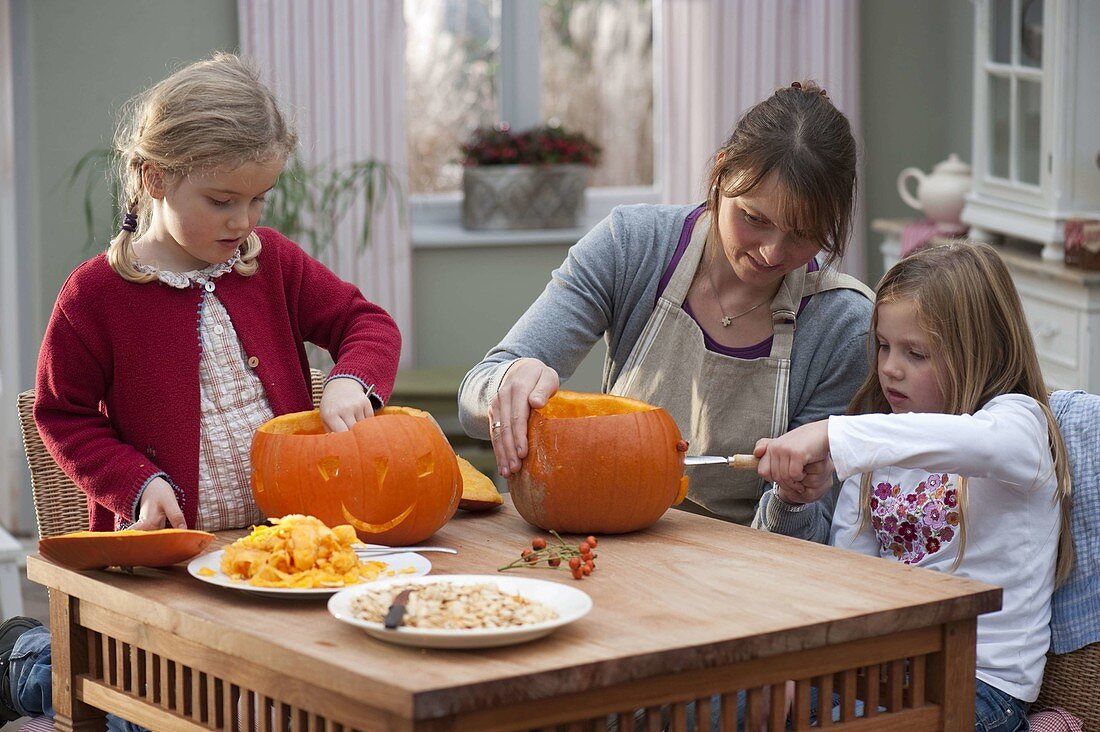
{"x": 1036, "y": 102}
{"x": 1062, "y": 305}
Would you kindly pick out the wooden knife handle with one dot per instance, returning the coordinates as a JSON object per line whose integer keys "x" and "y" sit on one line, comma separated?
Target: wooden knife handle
{"x": 744, "y": 462}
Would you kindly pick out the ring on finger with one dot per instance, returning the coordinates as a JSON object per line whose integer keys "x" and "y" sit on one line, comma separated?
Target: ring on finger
{"x": 496, "y": 426}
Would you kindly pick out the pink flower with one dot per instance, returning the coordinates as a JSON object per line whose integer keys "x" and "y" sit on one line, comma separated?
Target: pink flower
{"x": 934, "y": 516}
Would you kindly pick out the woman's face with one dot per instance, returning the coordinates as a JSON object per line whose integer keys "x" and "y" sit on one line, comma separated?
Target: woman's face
{"x": 761, "y": 249}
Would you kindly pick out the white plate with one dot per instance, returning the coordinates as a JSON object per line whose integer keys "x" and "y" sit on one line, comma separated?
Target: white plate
{"x": 213, "y": 561}
{"x": 568, "y": 602}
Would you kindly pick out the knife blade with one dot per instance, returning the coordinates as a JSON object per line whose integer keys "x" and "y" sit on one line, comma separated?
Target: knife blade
{"x": 396, "y": 613}
{"x": 737, "y": 462}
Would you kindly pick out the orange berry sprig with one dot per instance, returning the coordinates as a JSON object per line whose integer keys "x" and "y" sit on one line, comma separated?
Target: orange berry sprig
{"x": 579, "y": 559}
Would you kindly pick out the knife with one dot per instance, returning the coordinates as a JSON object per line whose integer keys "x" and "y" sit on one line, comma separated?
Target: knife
{"x": 737, "y": 462}
{"x": 396, "y": 613}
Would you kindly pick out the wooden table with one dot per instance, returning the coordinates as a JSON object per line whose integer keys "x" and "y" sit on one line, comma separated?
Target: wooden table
{"x": 690, "y": 608}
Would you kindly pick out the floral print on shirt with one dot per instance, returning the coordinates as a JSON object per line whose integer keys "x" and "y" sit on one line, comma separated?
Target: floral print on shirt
{"x": 913, "y": 524}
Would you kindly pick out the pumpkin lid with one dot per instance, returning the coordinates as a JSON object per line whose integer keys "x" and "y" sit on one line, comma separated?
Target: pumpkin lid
{"x": 97, "y": 549}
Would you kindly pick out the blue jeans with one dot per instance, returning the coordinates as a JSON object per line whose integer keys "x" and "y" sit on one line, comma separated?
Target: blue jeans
{"x": 31, "y": 678}
{"x": 742, "y": 706}
{"x": 996, "y": 711}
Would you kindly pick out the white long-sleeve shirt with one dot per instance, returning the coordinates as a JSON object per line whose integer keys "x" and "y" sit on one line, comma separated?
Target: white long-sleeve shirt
{"x": 1012, "y": 516}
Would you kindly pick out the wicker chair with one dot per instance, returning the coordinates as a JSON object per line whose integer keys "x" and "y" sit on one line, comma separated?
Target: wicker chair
{"x": 59, "y": 506}
{"x": 1072, "y": 680}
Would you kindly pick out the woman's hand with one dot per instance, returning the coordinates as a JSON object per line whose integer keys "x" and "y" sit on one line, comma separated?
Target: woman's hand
{"x": 343, "y": 403}
{"x": 158, "y": 503}
{"x": 527, "y": 385}
{"x": 798, "y": 462}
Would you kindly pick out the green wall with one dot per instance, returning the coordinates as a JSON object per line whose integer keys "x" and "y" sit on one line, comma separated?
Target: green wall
{"x": 82, "y": 61}
{"x": 85, "y": 59}
{"x": 917, "y": 76}
{"x": 466, "y": 299}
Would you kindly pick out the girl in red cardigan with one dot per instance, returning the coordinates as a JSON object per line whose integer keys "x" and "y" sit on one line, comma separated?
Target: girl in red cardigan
{"x": 164, "y": 354}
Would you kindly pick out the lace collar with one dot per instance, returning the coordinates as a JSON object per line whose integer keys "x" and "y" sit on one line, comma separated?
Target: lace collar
{"x": 202, "y": 277}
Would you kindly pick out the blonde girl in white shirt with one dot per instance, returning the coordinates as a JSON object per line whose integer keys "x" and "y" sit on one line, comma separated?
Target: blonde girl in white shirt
{"x": 952, "y": 460}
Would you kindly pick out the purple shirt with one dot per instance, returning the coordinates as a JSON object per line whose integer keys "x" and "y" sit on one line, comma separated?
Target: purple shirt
{"x": 761, "y": 349}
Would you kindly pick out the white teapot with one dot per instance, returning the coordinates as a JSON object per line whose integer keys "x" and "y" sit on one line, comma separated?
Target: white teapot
{"x": 941, "y": 194}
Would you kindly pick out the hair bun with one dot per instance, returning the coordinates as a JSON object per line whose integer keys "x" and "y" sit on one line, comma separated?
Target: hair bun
{"x": 810, "y": 87}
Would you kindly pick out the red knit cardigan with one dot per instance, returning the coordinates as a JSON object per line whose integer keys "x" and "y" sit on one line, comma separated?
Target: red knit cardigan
{"x": 117, "y": 395}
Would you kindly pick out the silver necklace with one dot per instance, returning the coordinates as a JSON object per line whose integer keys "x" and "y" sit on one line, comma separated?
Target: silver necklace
{"x": 727, "y": 319}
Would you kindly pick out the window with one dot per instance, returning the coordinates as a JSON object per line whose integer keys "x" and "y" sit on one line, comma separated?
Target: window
{"x": 584, "y": 64}
{"x": 1014, "y": 75}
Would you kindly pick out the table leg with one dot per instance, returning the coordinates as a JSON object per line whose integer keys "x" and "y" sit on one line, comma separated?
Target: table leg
{"x": 951, "y": 681}
{"x": 70, "y": 658}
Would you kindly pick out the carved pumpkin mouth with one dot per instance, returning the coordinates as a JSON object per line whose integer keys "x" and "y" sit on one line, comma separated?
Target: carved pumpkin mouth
{"x": 376, "y": 528}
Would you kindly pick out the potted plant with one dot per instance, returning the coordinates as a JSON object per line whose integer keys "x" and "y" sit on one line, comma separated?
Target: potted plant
{"x": 527, "y": 180}
{"x": 306, "y": 205}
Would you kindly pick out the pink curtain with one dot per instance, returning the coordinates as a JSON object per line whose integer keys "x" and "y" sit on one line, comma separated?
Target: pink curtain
{"x": 723, "y": 56}
{"x": 339, "y": 68}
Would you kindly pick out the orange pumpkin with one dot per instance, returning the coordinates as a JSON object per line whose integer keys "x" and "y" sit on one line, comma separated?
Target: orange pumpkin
{"x": 599, "y": 464}
{"x": 393, "y": 477}
{"x": 97, "y": 549}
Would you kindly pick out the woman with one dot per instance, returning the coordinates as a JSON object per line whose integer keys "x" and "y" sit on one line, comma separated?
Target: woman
{"x": 699, "y": 305}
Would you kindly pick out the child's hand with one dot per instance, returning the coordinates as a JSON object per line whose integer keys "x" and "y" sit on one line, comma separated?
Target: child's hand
{"x": 343, "y": 403}
{"x": 798, "y": 462}
{"x": 818, "y": 482}
{"x": 158, "y": 503}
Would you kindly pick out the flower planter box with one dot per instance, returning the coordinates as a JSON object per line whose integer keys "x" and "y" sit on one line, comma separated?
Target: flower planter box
{"x": 523, "y": 196}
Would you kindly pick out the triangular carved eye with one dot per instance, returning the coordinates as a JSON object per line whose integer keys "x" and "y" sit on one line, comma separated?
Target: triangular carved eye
{"x": 425, "y": 464}
{"x": 328, "y": 467}
{"x": 381, "y": 469}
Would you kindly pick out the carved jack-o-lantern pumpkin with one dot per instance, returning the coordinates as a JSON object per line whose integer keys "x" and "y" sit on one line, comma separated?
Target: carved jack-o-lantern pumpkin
{"x": 393, "y": 477}
{"x": 599, "y": 464}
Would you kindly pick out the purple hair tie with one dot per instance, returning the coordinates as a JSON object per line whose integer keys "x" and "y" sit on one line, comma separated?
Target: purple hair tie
{"x": 129, "y": 222}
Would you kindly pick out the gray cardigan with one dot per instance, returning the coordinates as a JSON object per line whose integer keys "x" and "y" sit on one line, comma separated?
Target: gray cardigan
{"x": 607, "y": 287}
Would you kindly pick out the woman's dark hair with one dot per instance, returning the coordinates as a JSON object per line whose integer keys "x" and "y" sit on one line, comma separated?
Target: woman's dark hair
{"x": 799, "y": 135}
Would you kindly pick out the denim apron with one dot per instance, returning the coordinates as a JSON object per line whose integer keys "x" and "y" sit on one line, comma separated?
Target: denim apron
{"x": 721, "y": 404}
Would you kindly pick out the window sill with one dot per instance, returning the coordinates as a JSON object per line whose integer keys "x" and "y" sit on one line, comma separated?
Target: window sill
{"x": 436, "y": 221}
{"x": 451, "y": 234}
